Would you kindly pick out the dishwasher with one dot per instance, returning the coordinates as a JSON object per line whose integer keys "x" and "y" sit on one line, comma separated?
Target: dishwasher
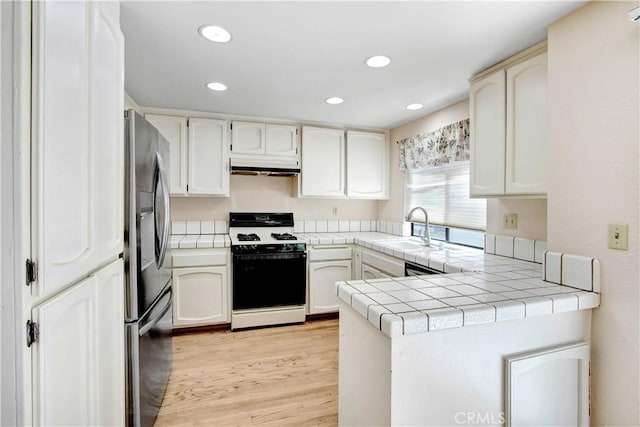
{"x": 412, "y": 269}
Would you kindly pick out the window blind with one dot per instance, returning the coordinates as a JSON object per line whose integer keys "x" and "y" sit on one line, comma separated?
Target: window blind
{"x": 444, "y": 192}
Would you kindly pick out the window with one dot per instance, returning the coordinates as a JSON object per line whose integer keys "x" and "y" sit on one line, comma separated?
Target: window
{"x": 444, "y": 192}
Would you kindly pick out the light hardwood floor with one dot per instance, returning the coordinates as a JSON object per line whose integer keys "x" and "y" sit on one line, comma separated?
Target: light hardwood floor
{"x": 272, "y": 376}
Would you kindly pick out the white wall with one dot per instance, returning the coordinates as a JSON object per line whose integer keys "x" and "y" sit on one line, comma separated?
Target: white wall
{"x": 594, "y": 180}
{"x": 268, "y": 194}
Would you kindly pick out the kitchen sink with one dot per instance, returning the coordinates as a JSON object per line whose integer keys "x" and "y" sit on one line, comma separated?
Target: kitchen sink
{"x": 403, "y": 244}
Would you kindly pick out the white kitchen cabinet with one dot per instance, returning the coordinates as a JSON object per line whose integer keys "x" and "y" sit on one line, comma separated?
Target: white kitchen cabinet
{"x": 357, "y": 263}
{"x": 282, "y": 141}
{"x": 78, "y": 360}
{"x": 327, "y": 265}
{"x": 323, "y": 163}
{"x": 198, "y": 159}
{"x": 367, "y": 165}
{"x": 248, "y": 138}
{"x": 509, "y": 132}
{"x": 486, "y": 133}
{"x": 555, "y": 379}
{"x": 264, "y": 139}
{"x": 77, "y": 140}
{"x": 201, "y": 287}
{"x": 527, "y": 127}
{"x": 367, "y": 272}
{"x": 376, "y": 265}
{"x": 174, "y": 129}
{"x": 208, "y": 159}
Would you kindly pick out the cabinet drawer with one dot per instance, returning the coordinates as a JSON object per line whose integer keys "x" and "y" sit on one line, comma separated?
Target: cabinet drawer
{"x": 386, "y": 264}
{"x": 199, "y": 257}
{"x": 325, "y": 253}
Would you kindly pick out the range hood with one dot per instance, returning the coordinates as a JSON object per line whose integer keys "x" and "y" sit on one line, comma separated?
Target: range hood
{"x": 264, "y": 167}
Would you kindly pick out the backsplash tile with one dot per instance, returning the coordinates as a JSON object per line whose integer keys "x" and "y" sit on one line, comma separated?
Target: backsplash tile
{"x": 207, "y": 227}
{"x": 309, "y": 226}
{"x": 321, "y": 226}
{"x": 576, "y": 271}
{"x": 193, "y": 227}
{"x": 343, "y": 226}
{"x": 552, "y": 267}
{"x": 365, "y": 225}
{"x": 221, "y": 227}
{"x": 524, "y": 249}
{"x": 178, "y": 227}
{"x": 504, "y": 246}
{"x": 490, "y": 244}
{"x": 355, "y": 225}
{"x": 332, "y": 226}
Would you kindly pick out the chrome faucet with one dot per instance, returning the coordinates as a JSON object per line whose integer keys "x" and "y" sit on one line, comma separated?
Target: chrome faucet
{"x": 426, "y": 237}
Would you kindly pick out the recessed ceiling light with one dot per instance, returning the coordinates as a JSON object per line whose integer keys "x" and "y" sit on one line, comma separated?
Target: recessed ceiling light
{"x": 414, "y": 106}
{"x": 218, "y": 87}
{"x": 378, "y": 61}
{"x": 214, "y": 33}
{"x": 334, "y": 100}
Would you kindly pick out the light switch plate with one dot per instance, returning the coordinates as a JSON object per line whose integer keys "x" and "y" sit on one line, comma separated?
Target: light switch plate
{"x": 619, "y": 236}
{"x": 510, "y": 221}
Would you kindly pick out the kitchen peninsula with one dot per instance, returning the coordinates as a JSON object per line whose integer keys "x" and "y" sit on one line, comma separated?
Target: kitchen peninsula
{"x": 489, "y": 343}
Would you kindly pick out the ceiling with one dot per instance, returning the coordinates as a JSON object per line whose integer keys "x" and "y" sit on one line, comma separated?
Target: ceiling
{"x": 286, "y": 58}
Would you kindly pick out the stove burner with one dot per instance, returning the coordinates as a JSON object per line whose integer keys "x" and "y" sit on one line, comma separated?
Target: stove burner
{"x": 248, "y": 237}
{"x": 283, "y": 236}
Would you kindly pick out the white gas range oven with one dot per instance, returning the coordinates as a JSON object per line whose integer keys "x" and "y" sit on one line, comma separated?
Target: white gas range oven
{"x": 269, "y": 270}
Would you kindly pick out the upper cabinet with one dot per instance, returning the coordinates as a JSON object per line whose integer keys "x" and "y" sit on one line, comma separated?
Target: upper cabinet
{"x": 198, "y": 163}
{"x": 509, "y": 133}
{"x": 357, "y": 168}
{"x": 264, "y": 144}
{"x": 174, "y": 129}
{"x": 323, "y": 163}
{"x": 367, "y": 165}
{"x": 208, "y": 160}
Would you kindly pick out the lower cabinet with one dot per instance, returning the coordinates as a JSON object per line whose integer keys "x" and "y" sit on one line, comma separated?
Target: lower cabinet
{"x": 327, "y": 265}
{"x": 201, "y": 289}
{"x": 367, "y": 272}
{"x": 78, "y": 359}
{"x": 322, "y": 276}
{"x": 556, "y": 379}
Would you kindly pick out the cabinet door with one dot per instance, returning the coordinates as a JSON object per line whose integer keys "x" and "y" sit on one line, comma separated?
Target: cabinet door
{"x": 174, "y": 129}
{"x": 555, "y": 379}
{"x": 208, "y": 159}
{"x": 247, "y": 138}
{"x": 201, "y": 296}
{"x": 78, "y": 139}
{"x": 323, "y": 163}
{"x": 282, "y": 141}
{"x": 78, "y": 362}
{"x": 367, "y": 165}
{"x": 322, "y": 276}
{"x": 369, "y": 272}
{"x": 487, "y": 135}
{"x": 527, "y": 127}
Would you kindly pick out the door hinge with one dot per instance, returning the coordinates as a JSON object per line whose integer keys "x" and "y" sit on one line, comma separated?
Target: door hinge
{"x": 31, "y": 271}
{"x": 187, "y": 122}
{"x": 231, "y": 126}
{"x": 33, "y": 332}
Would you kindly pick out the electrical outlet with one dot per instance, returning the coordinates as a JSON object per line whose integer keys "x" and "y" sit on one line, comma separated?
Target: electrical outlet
{"x": 335, "y": 210}
{"x": 619, "y": 236}
{"x": 510, "y": 221}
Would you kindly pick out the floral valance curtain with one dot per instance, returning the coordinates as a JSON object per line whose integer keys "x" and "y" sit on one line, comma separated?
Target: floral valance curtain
{"x": 445, "y": 145}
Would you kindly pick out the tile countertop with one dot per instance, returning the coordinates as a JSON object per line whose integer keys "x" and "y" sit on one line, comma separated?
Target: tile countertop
{"x": 192, "y": 241}
{"x": 479, "y": 288}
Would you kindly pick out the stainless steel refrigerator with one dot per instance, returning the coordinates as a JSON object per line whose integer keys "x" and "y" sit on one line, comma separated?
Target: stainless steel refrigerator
{"x": 148, "y": 294}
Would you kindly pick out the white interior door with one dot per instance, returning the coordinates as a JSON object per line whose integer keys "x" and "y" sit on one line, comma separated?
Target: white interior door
{"x": 78, "y": 147}
{"x": 78, "y": 361}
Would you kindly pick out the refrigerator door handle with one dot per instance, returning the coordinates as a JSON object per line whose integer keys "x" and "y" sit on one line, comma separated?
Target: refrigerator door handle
{"x": 161, "y": 181}
{"x": 151, "y": 323}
